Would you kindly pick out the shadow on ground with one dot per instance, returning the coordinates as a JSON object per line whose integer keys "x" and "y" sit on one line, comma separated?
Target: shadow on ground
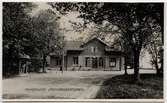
{"x": 123, "y": 87}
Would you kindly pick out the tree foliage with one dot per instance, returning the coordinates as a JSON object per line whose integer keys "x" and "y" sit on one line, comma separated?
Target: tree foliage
{"x": 24, "y": 34}
{"x": 16, "y": 34}
{"x": 46, "y": 31}
{"x": 135, "y": 22}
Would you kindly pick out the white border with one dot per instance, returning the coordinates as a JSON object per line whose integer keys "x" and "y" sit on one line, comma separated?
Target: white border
{"x": 91, "y": 100}
{"x": 165, "y": 55}
{"x": 136, "y": 1}
{"x": 88, "y": 100}
{"x": 1, "y": 51}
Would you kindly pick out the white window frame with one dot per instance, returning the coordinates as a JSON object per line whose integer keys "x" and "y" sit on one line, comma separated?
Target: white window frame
{"x": 112, "y": 62}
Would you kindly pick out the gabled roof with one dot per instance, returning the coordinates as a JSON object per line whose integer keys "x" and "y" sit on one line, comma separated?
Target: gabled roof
{"x": 24, "y": 56}
{"x": 73, "y": 45}
{"x": 77, "y": 45}
{"x": 95, "y": 38}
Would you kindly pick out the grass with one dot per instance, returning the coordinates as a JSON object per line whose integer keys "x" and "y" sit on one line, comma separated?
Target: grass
{"x": 123, "y": 87}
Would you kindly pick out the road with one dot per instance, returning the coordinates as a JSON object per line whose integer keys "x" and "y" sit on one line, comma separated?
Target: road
{"x": 57, "y": 85}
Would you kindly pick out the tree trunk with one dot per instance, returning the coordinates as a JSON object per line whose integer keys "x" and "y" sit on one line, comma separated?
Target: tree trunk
{"x": 156, "y": 67}
{"x": 161, "y": 68}
{"x": 161, "y": 61}
{"x": 44, "y": 62}
{"x": 125, "y": 66}
{"x": 136, "y": 66}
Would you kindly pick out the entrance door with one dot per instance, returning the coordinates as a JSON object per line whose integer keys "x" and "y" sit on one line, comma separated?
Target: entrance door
{"x": 101, "y": 62}
{"x": 94, "y": 62}
{"x": 57, "y": 61}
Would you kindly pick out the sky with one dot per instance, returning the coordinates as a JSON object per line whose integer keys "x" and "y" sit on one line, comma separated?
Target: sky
{"x": 64, "y": 22}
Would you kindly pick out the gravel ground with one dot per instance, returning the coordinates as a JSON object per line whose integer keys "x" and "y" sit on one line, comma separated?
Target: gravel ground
{"x": 55, "y": 85}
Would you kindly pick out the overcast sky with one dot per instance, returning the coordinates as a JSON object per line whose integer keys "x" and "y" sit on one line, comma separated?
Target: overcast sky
{"x": 64, "y": 21}
{"x": 65, "y": 24}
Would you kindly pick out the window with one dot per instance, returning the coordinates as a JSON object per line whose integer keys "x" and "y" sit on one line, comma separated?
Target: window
{"x": 75, "y": 60}
{"x": 93, "y": 49}
{"x": 112, "y": 62}
{"x": 87, "y": 62}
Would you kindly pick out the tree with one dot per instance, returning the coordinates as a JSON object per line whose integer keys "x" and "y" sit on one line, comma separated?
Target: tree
{"x": 154, "y": 49}
{"x": 16, "y": 34}
{"x": 134, "y": 22}
{"x": 46, "y": 31}
{"x": 116, "y": 41}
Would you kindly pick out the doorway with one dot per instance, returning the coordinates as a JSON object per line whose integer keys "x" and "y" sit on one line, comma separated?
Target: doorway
{"x": 94, "y": 62}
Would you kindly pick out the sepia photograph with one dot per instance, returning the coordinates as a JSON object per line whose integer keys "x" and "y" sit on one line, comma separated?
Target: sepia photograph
{"x": 82, "y": 50}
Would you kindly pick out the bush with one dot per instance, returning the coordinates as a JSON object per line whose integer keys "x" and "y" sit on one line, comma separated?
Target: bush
{"x": 36, "y": 65}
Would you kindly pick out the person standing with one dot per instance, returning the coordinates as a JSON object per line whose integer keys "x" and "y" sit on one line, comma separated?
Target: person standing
{"x": 61, "y": 69}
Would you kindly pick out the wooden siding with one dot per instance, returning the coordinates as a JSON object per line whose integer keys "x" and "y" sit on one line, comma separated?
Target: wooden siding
{"x": 87, "y": 52}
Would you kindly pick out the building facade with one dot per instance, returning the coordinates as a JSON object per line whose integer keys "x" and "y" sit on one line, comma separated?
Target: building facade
{"x": 91, "y": 55}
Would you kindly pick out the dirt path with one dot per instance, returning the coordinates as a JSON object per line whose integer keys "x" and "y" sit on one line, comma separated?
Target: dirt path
{"x": 55, "y": 85}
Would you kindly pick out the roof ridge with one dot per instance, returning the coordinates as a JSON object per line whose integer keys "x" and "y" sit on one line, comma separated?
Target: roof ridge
{"x": 103, "y": 41}
{"x": 73, "y": 40}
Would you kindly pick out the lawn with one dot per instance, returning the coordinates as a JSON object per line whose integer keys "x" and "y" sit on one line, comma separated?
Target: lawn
{"x": 123, "y": 87}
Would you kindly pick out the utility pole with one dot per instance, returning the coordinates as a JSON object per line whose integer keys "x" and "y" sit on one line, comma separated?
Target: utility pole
{"x": 63, "y": 60}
